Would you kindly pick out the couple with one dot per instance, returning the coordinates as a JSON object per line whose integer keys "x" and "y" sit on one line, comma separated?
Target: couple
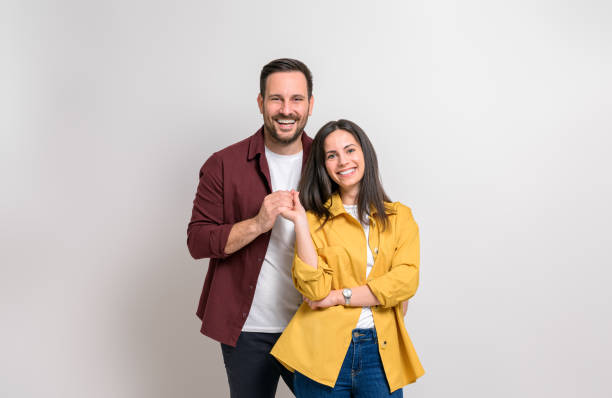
{"x": 355, "y": 260}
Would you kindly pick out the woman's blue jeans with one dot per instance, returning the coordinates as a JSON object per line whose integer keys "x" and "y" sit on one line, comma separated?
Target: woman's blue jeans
{"x": 361, "y": 376}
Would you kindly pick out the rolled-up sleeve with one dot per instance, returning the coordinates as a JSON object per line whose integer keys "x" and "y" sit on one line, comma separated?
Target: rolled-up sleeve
{"x": 207, "y": 232}
{"x": 401, "y": 281}
{"x": 314, "y": 284}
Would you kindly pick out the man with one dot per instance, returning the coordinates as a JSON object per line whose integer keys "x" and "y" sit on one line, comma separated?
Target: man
{"x": 248, "y": 296}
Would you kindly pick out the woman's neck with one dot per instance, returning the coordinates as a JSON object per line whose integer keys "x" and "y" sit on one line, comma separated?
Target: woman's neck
{"x": 349, "y": 197}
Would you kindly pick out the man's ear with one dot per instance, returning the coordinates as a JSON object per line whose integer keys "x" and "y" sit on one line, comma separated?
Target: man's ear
{"x": 310, "y": 105}
{"x": 260, "y": 102}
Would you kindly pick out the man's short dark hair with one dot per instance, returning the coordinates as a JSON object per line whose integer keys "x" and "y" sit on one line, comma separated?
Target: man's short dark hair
{"x": 284, "y": 65}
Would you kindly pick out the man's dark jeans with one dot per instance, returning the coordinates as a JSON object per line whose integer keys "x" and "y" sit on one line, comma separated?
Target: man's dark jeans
{"x": 251, "y": 371}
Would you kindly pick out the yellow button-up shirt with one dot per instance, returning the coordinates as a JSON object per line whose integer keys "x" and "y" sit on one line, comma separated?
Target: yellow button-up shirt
{"x": 316, "y": 341}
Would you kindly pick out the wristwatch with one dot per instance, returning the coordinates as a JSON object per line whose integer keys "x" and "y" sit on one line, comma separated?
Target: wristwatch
{"x": 347, "y": 293}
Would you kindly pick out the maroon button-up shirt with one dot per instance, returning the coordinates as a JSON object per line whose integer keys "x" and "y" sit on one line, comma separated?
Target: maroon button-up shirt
{"x": 233, "y": 184}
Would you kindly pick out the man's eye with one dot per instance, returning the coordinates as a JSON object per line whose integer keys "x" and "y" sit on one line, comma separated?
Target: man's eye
{"x": 351, "y": 150}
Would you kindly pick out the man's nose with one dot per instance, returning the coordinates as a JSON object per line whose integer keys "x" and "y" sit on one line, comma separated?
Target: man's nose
{"x": 285, "y": 108}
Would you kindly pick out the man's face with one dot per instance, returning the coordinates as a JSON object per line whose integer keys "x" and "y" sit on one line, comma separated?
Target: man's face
{"x": 286, "y": 106}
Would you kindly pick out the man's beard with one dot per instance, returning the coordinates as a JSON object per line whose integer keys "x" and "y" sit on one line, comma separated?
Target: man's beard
{"x": 271, "y": 129}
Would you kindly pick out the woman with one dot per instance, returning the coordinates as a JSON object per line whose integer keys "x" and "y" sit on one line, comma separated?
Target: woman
{"x": 357, "y": 260}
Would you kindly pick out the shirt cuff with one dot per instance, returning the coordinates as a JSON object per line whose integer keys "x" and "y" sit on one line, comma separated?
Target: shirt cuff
{"x": 306, "y": 272}
{"x": 218, "y": 240}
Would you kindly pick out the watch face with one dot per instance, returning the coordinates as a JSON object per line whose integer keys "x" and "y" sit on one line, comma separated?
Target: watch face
{"x": 347, "y": 293}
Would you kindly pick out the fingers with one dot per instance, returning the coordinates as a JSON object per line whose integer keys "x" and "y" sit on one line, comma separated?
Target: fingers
{"x": 280, "y": 197}
{"x": 278, "y": 201}
{"x": 297, "y": 203}
{"x": 315, "y": 305}
{"x": 310, "y": 303}
{"x": 273, "y": 204}
{"x": 289, "y": 199}
{"x": 288, "y": 214}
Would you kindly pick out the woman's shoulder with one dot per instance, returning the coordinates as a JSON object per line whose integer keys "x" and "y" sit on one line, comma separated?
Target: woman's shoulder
{"x": 398, "y": 209}
{"x": 400, "y": 216}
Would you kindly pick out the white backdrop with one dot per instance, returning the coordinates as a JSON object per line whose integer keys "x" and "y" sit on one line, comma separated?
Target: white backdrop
{"x": 491, "y": 119}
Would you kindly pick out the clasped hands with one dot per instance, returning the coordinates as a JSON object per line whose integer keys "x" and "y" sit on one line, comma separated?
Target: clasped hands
{"x": 284, "y": 203}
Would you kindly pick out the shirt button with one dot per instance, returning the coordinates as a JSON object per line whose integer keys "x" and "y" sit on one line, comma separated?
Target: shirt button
{"x": 376, "y": 250}
{"x": 251, "y": 287}
{"x": 384, "y": 344}
{"x": 244, "y": 314}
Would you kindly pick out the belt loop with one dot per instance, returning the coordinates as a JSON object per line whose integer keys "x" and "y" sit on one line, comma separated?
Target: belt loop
{"x": 359, "y": 334}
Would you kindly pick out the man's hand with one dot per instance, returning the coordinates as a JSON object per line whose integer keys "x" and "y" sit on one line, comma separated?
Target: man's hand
{"x": 333, "y": 298}
{"x": 245, "y": 231}
{"x": 273, "y": 204}
{"x": 296, "y": 213}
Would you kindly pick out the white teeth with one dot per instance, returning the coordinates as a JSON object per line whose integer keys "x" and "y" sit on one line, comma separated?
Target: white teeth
{"x": 346, "y": 171}
{"x": 286, "y": 121}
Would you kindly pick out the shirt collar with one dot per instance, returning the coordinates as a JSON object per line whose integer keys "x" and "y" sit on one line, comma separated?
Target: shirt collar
{"x": 256, "y": 144}
{"x": 335, "y": 206}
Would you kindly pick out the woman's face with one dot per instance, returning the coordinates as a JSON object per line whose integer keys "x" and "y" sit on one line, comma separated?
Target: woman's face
{"x": 344, "y": 161}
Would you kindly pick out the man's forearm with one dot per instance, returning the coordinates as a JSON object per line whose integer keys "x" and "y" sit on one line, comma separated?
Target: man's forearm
{"x": 241, "y": 234}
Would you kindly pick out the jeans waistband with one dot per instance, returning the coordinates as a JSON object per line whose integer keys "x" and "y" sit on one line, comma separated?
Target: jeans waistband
{"x": 363, "y": 335}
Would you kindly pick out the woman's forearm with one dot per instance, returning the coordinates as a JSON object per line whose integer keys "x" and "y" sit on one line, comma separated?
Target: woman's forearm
{"x": 305, "y": 248}
{"x": 362, "y": 297}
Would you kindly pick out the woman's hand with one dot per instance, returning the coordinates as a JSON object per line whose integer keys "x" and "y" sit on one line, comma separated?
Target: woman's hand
{"x": 295, "y": 214}
{"x": 333, "y": 298}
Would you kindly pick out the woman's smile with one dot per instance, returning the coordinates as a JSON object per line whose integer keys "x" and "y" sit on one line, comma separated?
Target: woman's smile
{"x": 344, "y": 162}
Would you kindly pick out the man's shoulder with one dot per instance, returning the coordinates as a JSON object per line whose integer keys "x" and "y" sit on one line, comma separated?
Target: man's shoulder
{"x": 235, "y": 155}
{"x": 235, "y": 149}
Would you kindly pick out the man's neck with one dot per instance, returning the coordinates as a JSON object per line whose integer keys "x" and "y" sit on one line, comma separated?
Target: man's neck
{"x": 284, "y": 149}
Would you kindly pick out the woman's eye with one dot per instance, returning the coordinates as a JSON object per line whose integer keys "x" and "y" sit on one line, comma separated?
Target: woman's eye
{"x": 330, "y": 156}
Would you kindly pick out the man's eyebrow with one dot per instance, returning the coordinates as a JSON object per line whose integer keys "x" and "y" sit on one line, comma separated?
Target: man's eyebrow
{"x": 280, "y": 95}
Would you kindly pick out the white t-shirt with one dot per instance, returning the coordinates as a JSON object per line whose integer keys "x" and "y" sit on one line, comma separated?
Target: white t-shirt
{"x": 366, "y": 321}
{"x": 276, "y": 300}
